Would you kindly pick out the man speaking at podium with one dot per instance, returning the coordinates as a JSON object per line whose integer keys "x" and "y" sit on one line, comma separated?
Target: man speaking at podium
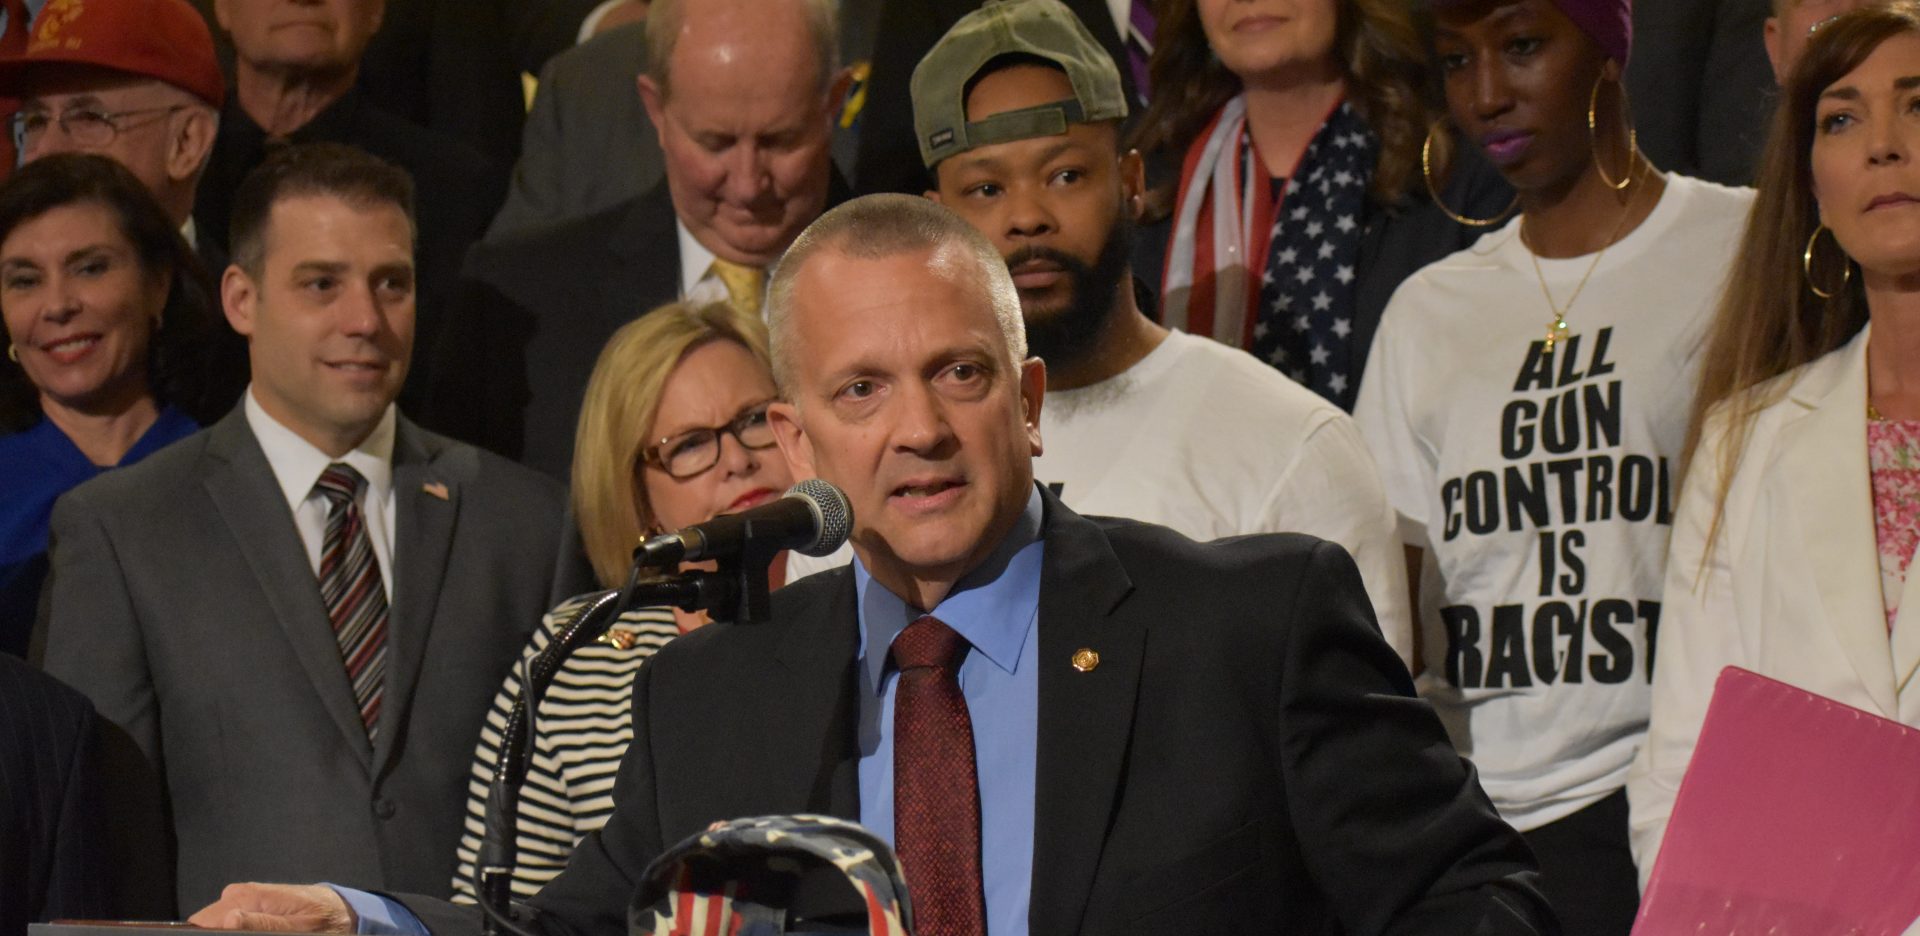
{"x": 1064, "y": 725}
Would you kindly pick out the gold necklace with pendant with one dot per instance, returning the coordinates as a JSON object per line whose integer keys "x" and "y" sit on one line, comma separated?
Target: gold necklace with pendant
{"x": 1557, "y": 329}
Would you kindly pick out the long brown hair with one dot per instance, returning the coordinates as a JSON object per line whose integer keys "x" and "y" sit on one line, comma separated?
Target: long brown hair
{"x": 1379, "y": 48}
{"x": 1770, "y": 321}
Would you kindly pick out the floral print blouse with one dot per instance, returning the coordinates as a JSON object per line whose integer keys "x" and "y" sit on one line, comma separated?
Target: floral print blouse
{"x": 1893, "y": 451}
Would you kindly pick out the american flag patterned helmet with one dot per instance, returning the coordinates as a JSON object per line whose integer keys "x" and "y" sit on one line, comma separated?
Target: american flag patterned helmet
{"x": 774, "y": 876}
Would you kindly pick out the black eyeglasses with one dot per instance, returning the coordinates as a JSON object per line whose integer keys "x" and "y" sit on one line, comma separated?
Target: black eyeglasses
{"x": 87, "y": 126}
{"x": 696, "y": 450}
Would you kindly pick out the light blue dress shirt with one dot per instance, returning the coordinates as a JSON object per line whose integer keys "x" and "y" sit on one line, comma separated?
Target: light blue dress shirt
{"x": 994, "y": 607}
{"x": 380, "y": 916}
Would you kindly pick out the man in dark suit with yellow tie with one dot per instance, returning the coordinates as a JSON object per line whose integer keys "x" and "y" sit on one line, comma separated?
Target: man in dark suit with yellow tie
{"x": 741, "y": 95}
{"x": 300, "y": 613}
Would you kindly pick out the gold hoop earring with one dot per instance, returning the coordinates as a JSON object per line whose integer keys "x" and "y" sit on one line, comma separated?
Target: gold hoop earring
{"x": 1593, "y": 134}
{"x": 13, "y": 353}
{"x": 1806, "y": 266}
{"x": 1426, "y": 174}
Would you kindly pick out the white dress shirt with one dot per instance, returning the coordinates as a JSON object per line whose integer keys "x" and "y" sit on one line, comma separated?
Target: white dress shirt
{"x": 297, "y": 466}
{"x": 698, "y": 284}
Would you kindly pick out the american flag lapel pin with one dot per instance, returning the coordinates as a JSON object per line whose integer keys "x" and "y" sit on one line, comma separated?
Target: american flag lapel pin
{"x": 437, "y": 489}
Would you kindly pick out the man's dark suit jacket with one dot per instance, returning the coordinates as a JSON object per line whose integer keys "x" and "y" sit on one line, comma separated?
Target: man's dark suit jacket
{"x": 52, "y": 846}
{"x": 1247, "y": 757}
{"x": 184, "y": 605}
{"x": 1701, "y": 86}
{"x": 534, "y": 311}
{"x": 454, "y": 65}
{"x": 451, "y": 66}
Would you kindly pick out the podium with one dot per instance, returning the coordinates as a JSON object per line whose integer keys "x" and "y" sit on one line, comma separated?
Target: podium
{"x": 141, "y": 928}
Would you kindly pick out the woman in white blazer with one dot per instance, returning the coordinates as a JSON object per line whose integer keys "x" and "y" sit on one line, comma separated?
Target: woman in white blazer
{"x": 1806, "y": 452}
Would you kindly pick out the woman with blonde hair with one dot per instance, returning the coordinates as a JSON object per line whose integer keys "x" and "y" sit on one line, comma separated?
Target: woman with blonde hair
{"x": 673, "y": 432}
{"x": 1299, "y": 129}
{"x": 1801, "y": 505}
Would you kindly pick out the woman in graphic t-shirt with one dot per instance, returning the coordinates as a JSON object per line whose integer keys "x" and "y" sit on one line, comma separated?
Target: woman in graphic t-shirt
{"x": 1526, "y": 402}
{"x": 1801, "y": 506}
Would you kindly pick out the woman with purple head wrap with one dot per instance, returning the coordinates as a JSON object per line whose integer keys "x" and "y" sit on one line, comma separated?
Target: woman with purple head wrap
{"x": 1527, "y": 405}
{"x": 1609, "y": 23}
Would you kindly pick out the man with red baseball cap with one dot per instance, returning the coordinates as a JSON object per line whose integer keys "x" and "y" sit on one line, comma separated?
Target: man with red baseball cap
{"x": 136, "y": 80}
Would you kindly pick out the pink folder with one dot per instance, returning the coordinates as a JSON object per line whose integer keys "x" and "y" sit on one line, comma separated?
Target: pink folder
{"x": 1798, "y": 816}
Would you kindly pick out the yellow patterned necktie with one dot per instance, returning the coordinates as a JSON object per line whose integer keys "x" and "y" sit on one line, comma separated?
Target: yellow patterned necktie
{"x": 745, "y": 284}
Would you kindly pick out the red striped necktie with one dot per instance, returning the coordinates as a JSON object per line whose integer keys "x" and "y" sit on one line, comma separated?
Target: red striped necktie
{"x": 350, "y": 584}
{"x": 936, "y": 792}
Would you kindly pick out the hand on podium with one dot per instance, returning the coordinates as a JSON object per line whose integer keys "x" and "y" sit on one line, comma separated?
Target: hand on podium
{"x": 292, "y": 908}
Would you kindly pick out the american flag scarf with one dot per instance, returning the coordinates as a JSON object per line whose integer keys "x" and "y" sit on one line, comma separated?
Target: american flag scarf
{"x": 1231, "y": 227}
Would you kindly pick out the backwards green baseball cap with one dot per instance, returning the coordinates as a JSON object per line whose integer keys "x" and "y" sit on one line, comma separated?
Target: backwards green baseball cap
{"x": 1044, "y": 29}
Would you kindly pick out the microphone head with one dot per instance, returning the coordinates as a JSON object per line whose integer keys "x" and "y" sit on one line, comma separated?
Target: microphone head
{"x": 832, "y": 513}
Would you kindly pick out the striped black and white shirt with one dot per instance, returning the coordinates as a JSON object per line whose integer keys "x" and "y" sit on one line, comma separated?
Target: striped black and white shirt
{"x": 580, "y": 732}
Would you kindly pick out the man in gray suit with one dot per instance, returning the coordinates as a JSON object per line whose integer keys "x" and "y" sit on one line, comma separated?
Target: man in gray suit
{"x": 301, "y": 613}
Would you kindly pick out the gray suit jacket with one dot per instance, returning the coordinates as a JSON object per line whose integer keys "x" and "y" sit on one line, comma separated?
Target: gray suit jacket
{"x": 183, "y": 604}
{"x": 587, "y": 144}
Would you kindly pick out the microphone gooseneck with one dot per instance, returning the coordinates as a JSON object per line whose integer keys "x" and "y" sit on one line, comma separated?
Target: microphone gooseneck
{"x": 812, "y": 517}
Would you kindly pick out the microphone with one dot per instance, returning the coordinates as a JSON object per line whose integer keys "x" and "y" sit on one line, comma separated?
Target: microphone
{"x": 813, "y": 518}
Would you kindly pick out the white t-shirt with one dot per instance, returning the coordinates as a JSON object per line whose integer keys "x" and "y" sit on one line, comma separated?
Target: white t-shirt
{"x": 1207, "y": 440}
{"x": 1542, "y": 485}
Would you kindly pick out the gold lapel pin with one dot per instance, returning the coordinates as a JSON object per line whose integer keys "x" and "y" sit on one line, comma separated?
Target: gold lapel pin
{"x": 437, "y": 489}
{"x": 1085, "y": 659}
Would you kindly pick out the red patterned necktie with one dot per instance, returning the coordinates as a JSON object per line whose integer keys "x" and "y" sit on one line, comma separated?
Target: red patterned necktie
{"x": 350, "y": 584}
{"x": 936, "y": 793}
